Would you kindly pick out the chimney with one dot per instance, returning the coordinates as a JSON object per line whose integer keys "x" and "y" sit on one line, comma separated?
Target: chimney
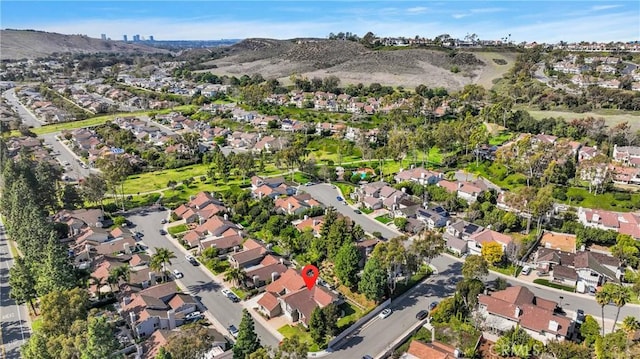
{"x": 433, "y": 334}
{"x": 518, "y": 312}
{"x": 460, "y": 184}
{"x": 289, "y": 206}
{"x": 306, "y": 217}
{"x": 226, "y": 217}
{"x": 127, "y": 248}
{"x": 126, "y": 300}
{"x": 256, "y": 279}
{"x": 281, "y": 260}
{"x": 274, "y": 276}
{"x": 423, "y": 175}
{"x": 314, "y": 223}
{"x": 553, "y": 325}
{"x": 152, "y": 278}
{"x": 171, "y": 317}
{"x": 132, "y": 317}
{"x": 403, "y": 189}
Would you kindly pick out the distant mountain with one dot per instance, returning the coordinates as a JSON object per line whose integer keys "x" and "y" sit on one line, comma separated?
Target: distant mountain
{"x": 31, "y": 44}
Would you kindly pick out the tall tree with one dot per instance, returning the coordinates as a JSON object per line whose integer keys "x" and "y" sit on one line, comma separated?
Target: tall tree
{"x": 373, "y": 280}
{"x": 492, "y": 252}
{"x": 93, "y": 188}
{"x": 346, "y": 265}
{"x": 475, "y": 267}
{"x": 293, "y": 348}
{"x": 55, "y": 272}
{"x": 161, "y": 258}
{"x": 317, "y": 326}
{"x": 620, "y": 296}
{"x": 247, "y": 341}
{"x": 60, "y": 309}
{"x": 235, "y": 275}
{"x": 603, "y": 297}
{"x": 428, "y": 246}
{"x": 70, "y": 197}
{"x": 191, "y": 342}
{"x": 101, "y": 343}
{"x": 22, "y": 283}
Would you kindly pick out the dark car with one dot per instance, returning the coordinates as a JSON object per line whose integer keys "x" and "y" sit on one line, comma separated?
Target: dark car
{"x": 233, "y": 330}
{"x": 422, "y": 314}
{"x": 163, "y": 232}
{"x": 357, "y": 211}
{"x": 339, "y": 199}
{"x": 579, "y": 316}
{"x": 433, "y": 305}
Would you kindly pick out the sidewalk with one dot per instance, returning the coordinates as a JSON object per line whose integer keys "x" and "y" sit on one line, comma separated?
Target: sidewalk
{"x": 528, "y": 280}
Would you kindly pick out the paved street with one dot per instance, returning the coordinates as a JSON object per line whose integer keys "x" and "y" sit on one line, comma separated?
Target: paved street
{"x": 63, "y": 154}
{"x": 15, "y": 318}
{"x": 197, "y": 282}
{"x": 26, "y": 116}
{"x": 327, "y": 195}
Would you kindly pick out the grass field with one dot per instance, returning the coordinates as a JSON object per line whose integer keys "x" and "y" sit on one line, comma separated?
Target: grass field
{"x": 351, "y": 314}
{"x": 611, "y": 117}
{"x": 289, "y": 331}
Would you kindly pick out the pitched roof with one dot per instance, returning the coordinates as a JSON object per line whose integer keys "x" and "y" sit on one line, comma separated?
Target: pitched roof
{"x": 289, "y": 281}
{"x": 562, "y": 241}
{"x": 269, "y": 301}
{"x": 596, "y": 262}
{"x": 489, "y": 235}
{"x": 564, "y": 272}
{"x": 305, "y": 300}
{"x": 434, "y": 350}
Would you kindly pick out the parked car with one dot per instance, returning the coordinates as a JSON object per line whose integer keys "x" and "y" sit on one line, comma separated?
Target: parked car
{"x": 579, "y": 316}
{"x": 233, "y": 330}
{"x": 422, "y": 314}
{"x": 339, "y": 199}
{"x": 542, "y": 274}
{"x": 367, "y": 357}
{"x": 357, "y": 211}
{"x": 433, "y": 305}
{"x": 191, "y": 259}
{"x": 163, "y": 232}
{"x": 177, "y": 273}
{"x": 193, "y": 316}
{"x": 231, "y": 295}
{"x": 163, "y": 221}
{"x": 526, "y": 270}
{"x": 385, "y": 313}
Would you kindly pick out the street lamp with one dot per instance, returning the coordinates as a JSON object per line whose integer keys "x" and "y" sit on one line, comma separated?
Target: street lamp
{"x": 561, "y": 298}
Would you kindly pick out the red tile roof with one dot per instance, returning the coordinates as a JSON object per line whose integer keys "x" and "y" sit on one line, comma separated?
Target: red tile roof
{"x": 435, "y": 350}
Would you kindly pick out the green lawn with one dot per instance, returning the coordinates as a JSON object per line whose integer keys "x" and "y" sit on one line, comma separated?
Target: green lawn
{"x": 351, "y": 315}
{"x": 506, "y": 270}
{"x": 289, "y": 331}
{"x": 36, "y": 324}
{"x": 383, "y": 219}
{"x": 177, "y": 229}
{"x": 547, "y": 283}
{"x": 612, "y": 201}
{"x": 239, "y": 292}
{"x": 500, "y": 139}
{"x": 366, "y": 210}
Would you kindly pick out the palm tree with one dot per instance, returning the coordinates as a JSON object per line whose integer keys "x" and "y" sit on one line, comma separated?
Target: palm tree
{"x": 99, "y": 283}
{"x": 112, "y": 279}
{"x": 160, "y": 259}
{"x": 603, "y": 298}
{"x": 620, "y": 297}
{"x": 235, "y": 275}
{"x": 123, "y": 272}
{"x": 630, "y": 325}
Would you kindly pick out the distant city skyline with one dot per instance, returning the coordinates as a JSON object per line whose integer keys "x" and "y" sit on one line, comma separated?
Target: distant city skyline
{"x": 541, "y": 21}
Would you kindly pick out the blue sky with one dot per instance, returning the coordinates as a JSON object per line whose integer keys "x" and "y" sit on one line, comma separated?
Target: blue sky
{"x": 541, "y": 20}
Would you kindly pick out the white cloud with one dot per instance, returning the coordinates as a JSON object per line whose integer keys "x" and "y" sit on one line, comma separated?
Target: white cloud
{"x": 417, "y": 10}
{"x": 460, "y": 16}
{"x": 604, "y": 7}
{"x": 488, "y": 10}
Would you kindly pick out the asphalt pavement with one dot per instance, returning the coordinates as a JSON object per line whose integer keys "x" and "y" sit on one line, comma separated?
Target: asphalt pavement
{"x": 198, "y": 283}
{"x": 27, "y": 117}
{"x": 328, "y": 196}
{"x": 14, "y": 317}
{"x": 64, "y": 155}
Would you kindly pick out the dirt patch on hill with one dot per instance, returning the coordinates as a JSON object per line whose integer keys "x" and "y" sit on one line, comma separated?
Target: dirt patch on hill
{"x": 353, "y": 63}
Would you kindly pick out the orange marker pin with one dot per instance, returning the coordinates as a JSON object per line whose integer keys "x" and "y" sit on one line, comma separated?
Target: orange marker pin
{"x": 310, "y": 274}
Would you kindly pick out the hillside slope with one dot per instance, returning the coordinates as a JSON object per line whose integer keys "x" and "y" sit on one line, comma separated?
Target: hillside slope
{"x": 353, "y": 63}
{"x": 20, "y": 44}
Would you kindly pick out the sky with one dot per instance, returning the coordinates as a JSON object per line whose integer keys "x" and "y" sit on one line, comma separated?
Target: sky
{"x": 539, "y": 20}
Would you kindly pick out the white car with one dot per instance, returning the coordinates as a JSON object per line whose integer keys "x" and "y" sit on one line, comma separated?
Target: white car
{"x": 526, "y": 270}
{"x": 385, "y": 313}
{"x": 177, "y": 273}
{"x": 193, "y": 316}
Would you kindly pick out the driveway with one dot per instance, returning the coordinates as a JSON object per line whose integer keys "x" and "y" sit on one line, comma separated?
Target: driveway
{"x": 196, "y": 281}
{"x": 327, "y": 195}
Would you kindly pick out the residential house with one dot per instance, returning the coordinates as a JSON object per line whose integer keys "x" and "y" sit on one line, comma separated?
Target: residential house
{"x": 587, "y": 153}
{"x": 272, "y": 187}
{"x": 157, "y": 307}
{"x": 432, "y": 350}
{"x": 288, "y": 295}
{"x": 433, "y": 218}
{"x": 621, "y": 222}
{"x": 458, "y": 234}
{"x": 267, "y": 271}
{"x": 159, "y": 339}
{"x": 270, "y": 144}
{"x": 200, "y": 208}
{"x": 312, "y": 223}
{"x": 251, "y": 254}
{"x": 518, "y": 306}
{"x": 560, "y": 241}
{"x": 477, "y": 240}
{"x": 627, "y": 155}
{"x": 469, "y": 191}
{"x": 591, "y": 268}
{"x": 295, "y": 205}
{"x": 419, "y": 175}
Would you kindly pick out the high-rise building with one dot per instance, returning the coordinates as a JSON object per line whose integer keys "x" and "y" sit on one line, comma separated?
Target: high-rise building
{"x": 103, "y": 36}
{"x": 136, "y": 38}
{"x": 124, "y": 37}
{"x": 150, "y": 37}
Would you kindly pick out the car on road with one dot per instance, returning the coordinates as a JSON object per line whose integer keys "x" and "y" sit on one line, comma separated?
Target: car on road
{"x": 433, "y": 305}
{"x": 356, "y": 211}
{"x": 233, "y": 331}
{"x": 309, "y": 184}
{"x": 339, "y": 199}
{"x": 526, "y": 270}
{"x": 367, "y": 357}
{"x": 579, "y": 316}
{"x": 385, "y": 313}
{"x": 163, "y": 232}
{"x": 191, "y": 259}
{"x": 177, "y": 274}
{"x": 193, "y": 316}
{"x": 422, "y": 314}
{"x": 231, "y": 295}
{"x": 163, "y": 221}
